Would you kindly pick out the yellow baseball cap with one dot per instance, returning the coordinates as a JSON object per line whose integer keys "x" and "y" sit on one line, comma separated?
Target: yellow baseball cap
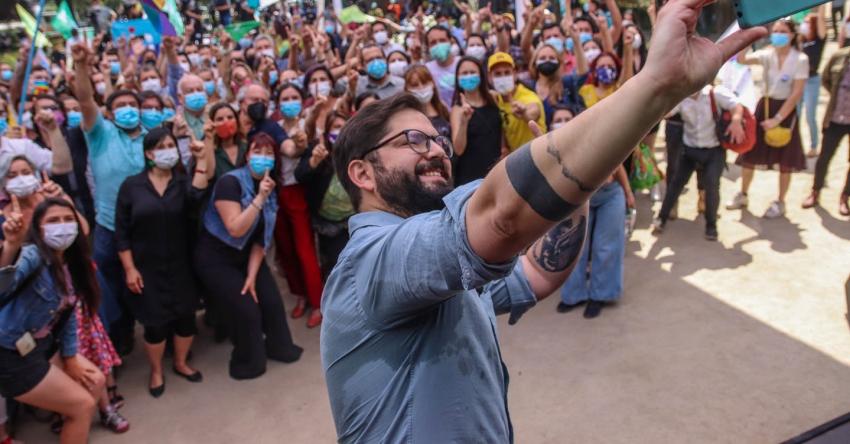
{"x": 509, "y": 16}
{"x": 499, "y": 57}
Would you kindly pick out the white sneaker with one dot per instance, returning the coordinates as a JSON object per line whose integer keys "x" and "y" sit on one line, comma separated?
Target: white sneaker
{"x": 776, "y": 209}
{"x": 738, "y": 202}
{"x": 655, "y": 193}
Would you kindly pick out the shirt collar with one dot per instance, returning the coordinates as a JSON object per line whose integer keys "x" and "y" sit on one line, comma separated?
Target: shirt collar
{"x": 372, "y": 219}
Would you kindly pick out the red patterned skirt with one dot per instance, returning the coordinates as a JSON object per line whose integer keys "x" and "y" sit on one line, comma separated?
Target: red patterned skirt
{"x": 94, "y": 343}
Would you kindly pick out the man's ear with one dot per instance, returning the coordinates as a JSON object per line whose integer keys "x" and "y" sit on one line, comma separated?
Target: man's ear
{"x": 362, "y": 173}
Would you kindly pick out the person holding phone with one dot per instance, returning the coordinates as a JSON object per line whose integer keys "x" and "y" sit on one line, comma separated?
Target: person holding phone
{"x": 786, "y": 72}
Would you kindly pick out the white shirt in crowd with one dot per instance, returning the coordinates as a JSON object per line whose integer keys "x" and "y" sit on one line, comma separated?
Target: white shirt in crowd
{"x": 42, "y": 158}
{"x": 699, "y": 123}
{"x": 781, "y": 78}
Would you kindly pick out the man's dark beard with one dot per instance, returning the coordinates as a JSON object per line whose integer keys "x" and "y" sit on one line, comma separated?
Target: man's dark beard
{"x": 405, "y": 194}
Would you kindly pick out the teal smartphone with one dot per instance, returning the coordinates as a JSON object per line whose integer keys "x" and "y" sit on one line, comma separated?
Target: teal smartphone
{"x": 759, "y": 12}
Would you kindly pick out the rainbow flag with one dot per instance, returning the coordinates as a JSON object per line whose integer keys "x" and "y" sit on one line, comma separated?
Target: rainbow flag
{"x": 164, "y": 16}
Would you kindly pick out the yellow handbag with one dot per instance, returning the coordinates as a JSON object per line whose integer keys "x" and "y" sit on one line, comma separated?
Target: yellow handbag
{"x": 779, "y": 136}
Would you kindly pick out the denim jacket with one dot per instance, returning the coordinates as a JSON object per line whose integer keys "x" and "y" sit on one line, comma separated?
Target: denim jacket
{"x": 30, "y": 298}
{"x": 215, "y": 226}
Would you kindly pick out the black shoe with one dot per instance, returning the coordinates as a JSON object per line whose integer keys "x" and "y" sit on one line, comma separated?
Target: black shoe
{"x": 593, "y": 309}
{"x": 194, "y": 377}
{"x": 156, "y": 392}
{"x": 711, "y": 233}
{"x": 564, "y": 308}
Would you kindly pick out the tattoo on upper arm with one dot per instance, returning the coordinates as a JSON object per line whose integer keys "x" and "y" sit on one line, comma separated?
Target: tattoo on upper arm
{"x": 532, "y": 186}
{"x": 565, "y": 171}
{"x": 561, "y": 245}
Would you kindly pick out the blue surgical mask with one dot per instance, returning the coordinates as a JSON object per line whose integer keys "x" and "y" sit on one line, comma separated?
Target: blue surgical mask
{"x": 151, "y": 118}
{"x": 585, "y": 37}
{"x": 441, "y": 51}
{"x": 469, "y": 82}
{"x": 167, "y": 113}
{"x": 606, "y": 75}
{"x": 127, "y": 117}
{"x": 196, "y": 101}
{"x": 74, "y": 119}
{"x": 570, "y": 45}
{"x": 272, "y": 78}
{"x": 259, "y": 164}
{"x": 780, "y": 40}
{"x": 6, "y": 75}
{"x": 245, "y": 42}
{"x": 556, "y": 43}
{"x": 114, "y": 68}
{"x": 329, "y": 29}
{"x": 209, "y": 87}
{"x": 377, "y": 69}
{"x": 291, "y": 108}
{"x": 4, "y": 125}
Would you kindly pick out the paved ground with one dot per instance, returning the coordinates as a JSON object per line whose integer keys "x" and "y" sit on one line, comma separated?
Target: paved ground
{"x": 741, "y": 341}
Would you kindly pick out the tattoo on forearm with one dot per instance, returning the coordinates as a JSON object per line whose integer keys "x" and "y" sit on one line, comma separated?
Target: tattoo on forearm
{"x": 532, "y": 186}
{"x": 561, "y": 245}
{"x": 565, "y": 171}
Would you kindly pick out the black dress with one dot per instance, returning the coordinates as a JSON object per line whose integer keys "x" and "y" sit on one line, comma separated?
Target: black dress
{"x": 483, "y": 145}
{"x": 258, "y": 329}
{"x": 156, "y": 229}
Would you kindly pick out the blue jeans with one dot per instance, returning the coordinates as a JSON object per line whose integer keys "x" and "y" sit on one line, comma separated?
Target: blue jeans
{"x": 810, "y": 100}
{"x": 111, "y": 277}
{"x": 604, "y": 249}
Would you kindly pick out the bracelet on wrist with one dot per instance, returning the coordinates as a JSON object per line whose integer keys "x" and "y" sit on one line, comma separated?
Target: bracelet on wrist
{"x": 258, "y": 207}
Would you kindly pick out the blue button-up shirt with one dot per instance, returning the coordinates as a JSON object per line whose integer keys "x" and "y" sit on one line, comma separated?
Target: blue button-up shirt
{"x": 408, "y": 342}
{"x": 114, "y": 156}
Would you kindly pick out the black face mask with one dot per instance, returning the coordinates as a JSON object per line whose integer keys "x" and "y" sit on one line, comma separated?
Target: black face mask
{"x": 257, "y": 111}
{"x": 547, "y": 68}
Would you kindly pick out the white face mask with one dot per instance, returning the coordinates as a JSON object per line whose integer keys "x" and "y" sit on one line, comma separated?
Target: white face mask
{"x": 194, "y": 58}
{"x": 320, "y": 89}
{"x": 60, "y": 236}
{"x": 267, "y": 52}
{"x": 455, "y": 50}
{"x": 165, "y": 158}
{"x": 186, "y": 67}
{"x": 100, "y": 88}
{"x": 592, "y": 54}
{"x": 381, "y": 37}
{"x": 398, "y": 68}
{"x": 151, "y": 85}
{"x": 504, "y": 84}
{"x": 637, "y": 42}
{"x": 23, "y": 185}
{"x": 804, "y": 30}
{"x": 476, "y": 51}
{"x": 424, "y": 94}
{"x": 556, "y": 125}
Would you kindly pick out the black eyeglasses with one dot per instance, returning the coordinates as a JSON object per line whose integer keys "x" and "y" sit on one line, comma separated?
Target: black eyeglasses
{"x": 419, "y": 142}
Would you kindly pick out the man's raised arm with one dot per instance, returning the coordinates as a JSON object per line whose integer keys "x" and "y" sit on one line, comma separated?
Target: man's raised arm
{"x": 545, "y": 181}
{"x": 83, "y": 88}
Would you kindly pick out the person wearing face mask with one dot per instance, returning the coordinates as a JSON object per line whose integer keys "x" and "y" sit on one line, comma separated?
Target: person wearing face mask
{"x": 398, "y": 61}
{"x": 383, "y": 37}
{"x": 150, "y": 81}
{"x": 227, "y": 143}
{"x": 442, "y": 64}
{"x": 115, "y": 153}
{"x": 254, "y": 114}
{"x": 193, "y": 97}
{"x": 377, "y": 78}
{"x": 518, "y": 104}
{"x": 418, "y": 81}
{"x": 151, "y": 114}
{"x": 51, "y": 132}
{"x": 47, "y": 273}
{"x": 321, "y": 99}
{"x": 549, "y": 82}
{"x": 785, "y": 70}
{"x": 237, "y": 230}
{"x": 476, "y": 47}
{"x": 152, "y": 237}
{"x": 476, "y": 123}
{"x": 813, "y": 42}
{"x": 329, "y": 204}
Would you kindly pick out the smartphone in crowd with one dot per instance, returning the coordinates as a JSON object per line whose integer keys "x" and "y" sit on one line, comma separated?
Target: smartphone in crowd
{"x": 759, "y": 12}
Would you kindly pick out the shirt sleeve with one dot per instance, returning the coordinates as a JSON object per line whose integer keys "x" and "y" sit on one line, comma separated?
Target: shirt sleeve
{"x": 97, "y": 131}
{"x": 174, "y": 74}
{"x": 228, "y": 189}
{"x": 123, "y": 217}
{"x": 69, "y": 335}
{"x": 725, "y": 98}
{"x": 801, "y": 71}
{"x": 512, "y": 295}
{"x": 409, "y": 267}
{"x": 41, "y": 157}
{"x": 13, "y": 276}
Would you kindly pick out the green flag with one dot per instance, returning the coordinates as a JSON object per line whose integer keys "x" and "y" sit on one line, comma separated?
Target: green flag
{"x": 29, "y": 26}
{"x": 238, "y": 30}
{"x": 354, "y": 14}
{"x": 63, "y": 22}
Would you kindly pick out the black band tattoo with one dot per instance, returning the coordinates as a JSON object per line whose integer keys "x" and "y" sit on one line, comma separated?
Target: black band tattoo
{"x": 561, "y": 245}
{"x": 533, "y": 187}
{"x": 550, "y": 148}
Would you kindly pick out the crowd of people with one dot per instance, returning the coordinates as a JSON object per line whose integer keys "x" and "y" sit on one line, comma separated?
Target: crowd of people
{"x": 144, "y": 182}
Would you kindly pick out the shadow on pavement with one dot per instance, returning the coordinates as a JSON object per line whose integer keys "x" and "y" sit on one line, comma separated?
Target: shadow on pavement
{"x": 784, "y": 235}
{"x": 838, "y": 227}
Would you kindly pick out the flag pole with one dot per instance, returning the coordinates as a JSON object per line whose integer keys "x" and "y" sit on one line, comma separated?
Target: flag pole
{"x": 25, "y": 85}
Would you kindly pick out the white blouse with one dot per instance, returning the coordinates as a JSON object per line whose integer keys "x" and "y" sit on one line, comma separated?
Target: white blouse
{"x": 780, "y": 79}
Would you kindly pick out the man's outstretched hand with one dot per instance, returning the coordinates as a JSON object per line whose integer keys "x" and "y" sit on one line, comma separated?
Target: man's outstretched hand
{"x": 681, "y": 62}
